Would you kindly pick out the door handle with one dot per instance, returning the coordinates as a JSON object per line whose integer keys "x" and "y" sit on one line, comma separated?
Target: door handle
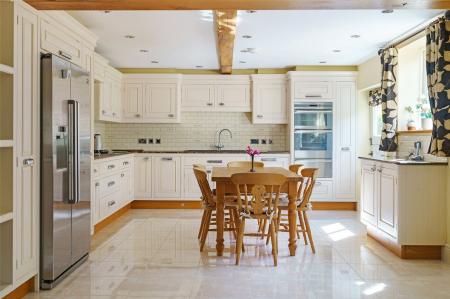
{"x": 167, "y": 158}
{"x": 170, "y": 115}
{"x": 209, "y": 104}
{"x": 346, "y": 148}
{"x": 269, "y": 159}
{"x": 222, "y": 104}
{"x": 74, "y": 153}
{"x": 112, "y": 183}
{"x": 313, "y": 96}
{"x": 65, "y": 55}
{"x": 111, "y": 166}
{"x": 28, "y": 162}
{"x": 259, "y": 116}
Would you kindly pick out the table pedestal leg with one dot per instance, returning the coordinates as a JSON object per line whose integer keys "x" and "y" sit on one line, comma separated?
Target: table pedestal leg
{"x": 292, "y": 215}
{"x": 220, "y": 191}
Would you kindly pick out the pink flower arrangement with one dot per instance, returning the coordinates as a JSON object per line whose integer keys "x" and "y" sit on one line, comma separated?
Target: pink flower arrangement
{"x": 252, "y": 151}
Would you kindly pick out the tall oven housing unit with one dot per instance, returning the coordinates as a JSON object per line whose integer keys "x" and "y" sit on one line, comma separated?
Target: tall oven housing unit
{"x": 65, "y": 169}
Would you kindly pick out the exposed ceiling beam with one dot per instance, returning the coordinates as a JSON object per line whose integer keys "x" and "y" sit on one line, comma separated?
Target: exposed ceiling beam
{"x": 233, "y": 4}
{"x": 226, "y": 33}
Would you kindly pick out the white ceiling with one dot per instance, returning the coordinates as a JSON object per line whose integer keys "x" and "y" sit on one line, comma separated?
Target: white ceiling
{"x": 186, "y": 39}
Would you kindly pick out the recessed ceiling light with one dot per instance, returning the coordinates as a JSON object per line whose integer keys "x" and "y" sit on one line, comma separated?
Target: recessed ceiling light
{"x": 240, "y": 61}
{"x": 199, "y": 66}
{"x": 154, "y": 61}
{"x": 387, "y": 11}
{"x": 250, "y": 11}
{"x": 355, "y": 36}
{"x": 248, "y": 50}
{"x": 247, "y": 36}
{"x": 336, "y": 50}
{"x": 322, "y": 62}
{"x": 129, "y": 36}
{"x": 143, "y": 51}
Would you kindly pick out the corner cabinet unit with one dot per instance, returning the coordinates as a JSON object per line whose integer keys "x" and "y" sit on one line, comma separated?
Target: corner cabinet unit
{"x": 107, "y": 91}
{"x": 339, "y": 88}
{"x": 151, "y": 99}
{"x": 269, "y": 99}
{"x": 216, "y": 93}
{"x": 404, "y": 204}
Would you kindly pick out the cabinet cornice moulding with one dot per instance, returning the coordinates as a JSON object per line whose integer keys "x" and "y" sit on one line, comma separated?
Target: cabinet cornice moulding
{"x": 152, "y": 76}
{"x": 307, "y": 74}
{"x": 268, "y": 77}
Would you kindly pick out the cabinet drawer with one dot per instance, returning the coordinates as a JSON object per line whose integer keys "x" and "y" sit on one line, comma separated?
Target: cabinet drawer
{"x": 312, "y": 89}
{"x": 125, "y": 163}
{"x": 323, "y": 190}
{"x": 108, "y": 205}
{"x": 109, "y": 167}
{"x": 109, "y": 185}
{"x": 60, "y": 43}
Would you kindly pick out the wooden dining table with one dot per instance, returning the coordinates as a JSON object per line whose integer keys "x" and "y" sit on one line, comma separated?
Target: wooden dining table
{"x": 222, "y": 177}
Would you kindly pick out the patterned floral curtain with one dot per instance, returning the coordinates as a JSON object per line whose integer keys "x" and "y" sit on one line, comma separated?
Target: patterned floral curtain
{"x": 438, "y": 77}
{"x": 389, "y": 62}
{"x": 375, "y": 97}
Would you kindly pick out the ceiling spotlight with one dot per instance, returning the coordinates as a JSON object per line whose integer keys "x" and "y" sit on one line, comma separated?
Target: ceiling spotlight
{"x": 143, "y": 51}
{"x": 387, "y": 11}
{"x": 355, "y": 36}
{"x": 248, "y": 50}
{"x": 336, "y": 51}
{"x": 129, "y": 36}
{"x": 154, "y": 61}
{"x": 322, "y": 62}
{"x": 250, "y": 11}
{"x": 199, "y": 66}
{"x": 247, "y": 36}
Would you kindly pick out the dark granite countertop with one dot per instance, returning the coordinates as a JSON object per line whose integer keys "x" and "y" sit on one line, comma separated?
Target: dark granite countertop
{"x": 116, "y": 153}
{"x": 402, "y": 161}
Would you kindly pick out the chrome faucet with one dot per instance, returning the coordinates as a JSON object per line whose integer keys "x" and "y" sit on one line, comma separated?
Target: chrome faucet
{"x": 219, "y": 145}
{"x": 416, "y": 154}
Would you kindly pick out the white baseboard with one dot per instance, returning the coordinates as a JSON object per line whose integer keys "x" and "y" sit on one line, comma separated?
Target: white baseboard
{"x": 446, "y": 253}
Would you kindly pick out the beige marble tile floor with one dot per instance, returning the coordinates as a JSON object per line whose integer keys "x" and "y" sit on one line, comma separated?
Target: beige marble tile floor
{"x": 154, "y": 254}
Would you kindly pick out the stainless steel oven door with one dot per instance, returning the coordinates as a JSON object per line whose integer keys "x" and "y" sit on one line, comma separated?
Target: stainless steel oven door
{"x": 313, "y": 144}
{"x": 325, "y": 166}
{"x": 313, "y": 116}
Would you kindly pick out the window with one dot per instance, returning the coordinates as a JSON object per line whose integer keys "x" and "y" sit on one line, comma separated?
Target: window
{"x": 377, "y": 121}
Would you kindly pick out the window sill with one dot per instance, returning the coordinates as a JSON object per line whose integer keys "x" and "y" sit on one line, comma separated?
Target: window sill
{"x": 414, "y": 132}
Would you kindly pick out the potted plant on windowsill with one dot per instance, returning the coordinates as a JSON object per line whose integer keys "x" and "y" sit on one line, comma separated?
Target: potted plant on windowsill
{"x": 426, "y": 117}
{"x": 411, "y": 124}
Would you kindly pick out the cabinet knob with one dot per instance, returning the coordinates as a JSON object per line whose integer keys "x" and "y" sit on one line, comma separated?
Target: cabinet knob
{"x": 28, "y": 162}
{"x": 346, "y": 148}
{"x": 114, "y": 114}
{"x": 170, "y": 115}
{"x": 137, "y": 115}
{"x": 111, "y": 166}
{"x": 222, "y": 104}
{"x": 380, "y": 170}
{"x": 373, "y": 169}
{"x": 318, "y": 184}
{"x": 97, "y": 184}
{"x": 167, "y": 158}
{"x": 103, "y": 112}
{"x": 125, "y": 163}
{"x": 209, "y": 104}
{"x": 111, "y": 203}
{"x": 122, "y": 175}
{"x": 313, "y": 96}
{"x": 112, "y": 183}
{"x": 146, "y": 158}
{"x": 259, "y": 116}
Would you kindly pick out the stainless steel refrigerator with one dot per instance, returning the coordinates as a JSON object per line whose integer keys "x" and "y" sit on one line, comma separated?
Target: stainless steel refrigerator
{"x": 65, "y": 169}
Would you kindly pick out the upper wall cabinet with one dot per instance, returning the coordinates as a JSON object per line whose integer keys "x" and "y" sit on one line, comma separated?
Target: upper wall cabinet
{"x": 151, "y": 99}
{"x": 216, "y": 93}
{"x": 108, "y": 91}
{"x": 314, "y": 88}
{"x": 269, "y": 99}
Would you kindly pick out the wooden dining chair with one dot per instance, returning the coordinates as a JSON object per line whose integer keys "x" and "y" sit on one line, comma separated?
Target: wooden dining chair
{"x": 257, "y": 198}
{"x": 304, "y": 192}
{"x": 209, "y": 221}
{"x": 247, "y": 164}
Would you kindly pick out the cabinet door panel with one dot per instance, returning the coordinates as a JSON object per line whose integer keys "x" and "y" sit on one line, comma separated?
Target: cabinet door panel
{"x": 116, "y": 100}
{"x": 27, "y": 145}
{"x": 191, "y": 188}
{"x": 233, "y": 97}
{"x": 142, "y": 177}
{"x": 269, "y": 104}
{"x": 197, "y": 97}
{"x": 132, "y": 102}
{"x": 387, "y": 218}
{"x": 369, "y": 194}
{"x": 313, "y": 89}
{"x": 166, "y": 177}
{"x": 160, "y": 103}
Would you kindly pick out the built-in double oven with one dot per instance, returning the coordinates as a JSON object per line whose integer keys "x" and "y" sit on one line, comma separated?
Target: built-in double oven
{"x": 313, "y": 136}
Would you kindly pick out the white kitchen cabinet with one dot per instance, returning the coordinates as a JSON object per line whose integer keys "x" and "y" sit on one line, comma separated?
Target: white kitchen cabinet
{"x": 26, "y": 216}
{"x": 274, "y": 160}
{"x": 124, "y": 183}
{"x": 166, "y": 177}
{"x": 95, "y": 202}
{"x": 142, "y": 177}
{"x": 269, "y": 99}
{"x": 345, "y": 141}
{"x": 314, "y": 89}
{"x": 160, "y": 103}
{"x": 216, "y": 93}
{"x": 150, "y": 99}
{"x": 58, "y": 41}
{"x": 233, "y": 98}
{"x": 197, "y": 97}
{"x": 401, "y": 201}
{"x": 190, "y": 184}
{"x": 116, "y": 98}
{"x": 132, "y": 101}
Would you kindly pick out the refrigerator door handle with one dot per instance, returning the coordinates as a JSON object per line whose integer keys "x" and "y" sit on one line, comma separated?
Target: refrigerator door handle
{"x": 74, "y": 153}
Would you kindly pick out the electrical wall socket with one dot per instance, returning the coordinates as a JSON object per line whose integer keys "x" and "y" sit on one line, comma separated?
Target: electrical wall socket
{"x": 158, "y": 140}
{"x": 142, "y": 141}
{"x": 254, "y": 141}
{"x": 150, "y": 141}
{"x": 263, "y": 141}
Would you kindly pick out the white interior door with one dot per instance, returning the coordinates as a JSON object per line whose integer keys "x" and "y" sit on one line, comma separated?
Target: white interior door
{"x": 26, "y": 208}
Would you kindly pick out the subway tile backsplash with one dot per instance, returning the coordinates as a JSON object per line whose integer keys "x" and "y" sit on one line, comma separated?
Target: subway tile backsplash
{"x": 197, "y": 130}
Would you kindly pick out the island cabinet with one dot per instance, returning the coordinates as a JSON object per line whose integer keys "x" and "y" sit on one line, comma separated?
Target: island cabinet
{"x": 403, "y": 206}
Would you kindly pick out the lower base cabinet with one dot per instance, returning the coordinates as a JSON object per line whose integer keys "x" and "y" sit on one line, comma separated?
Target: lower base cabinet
{"x": 166, "y": 177}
